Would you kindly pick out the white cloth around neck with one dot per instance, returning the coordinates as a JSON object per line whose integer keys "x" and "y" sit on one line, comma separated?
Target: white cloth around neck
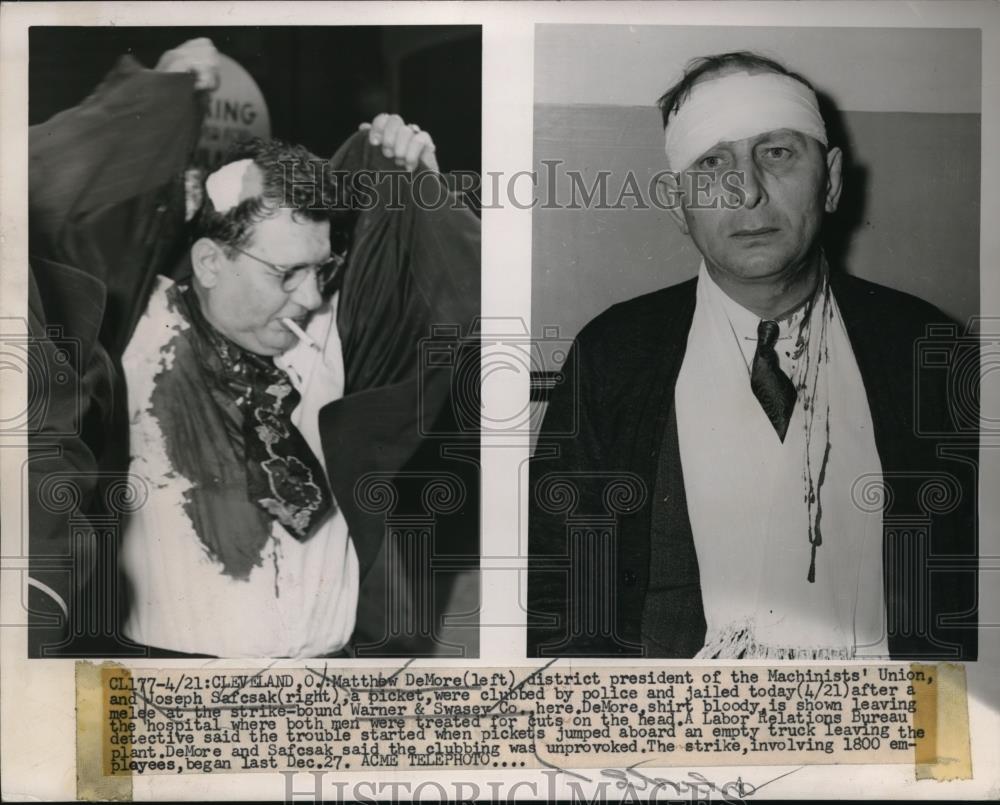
{"x": 748, "y": 494}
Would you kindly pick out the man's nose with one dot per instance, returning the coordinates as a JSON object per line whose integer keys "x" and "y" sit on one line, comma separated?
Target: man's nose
{"x": 307, "y": 294}
{"x": 754, "y": 192}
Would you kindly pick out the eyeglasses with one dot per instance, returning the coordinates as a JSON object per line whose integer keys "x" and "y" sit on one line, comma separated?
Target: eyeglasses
{"x": 293, "y": 276}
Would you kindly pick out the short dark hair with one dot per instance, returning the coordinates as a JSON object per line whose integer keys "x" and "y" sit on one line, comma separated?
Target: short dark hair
{"x": 291, "y": 179}
{"x": 670, "y": 101}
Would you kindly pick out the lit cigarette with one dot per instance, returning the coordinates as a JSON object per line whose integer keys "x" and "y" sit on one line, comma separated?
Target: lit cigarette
{"x": 301, "y": 334}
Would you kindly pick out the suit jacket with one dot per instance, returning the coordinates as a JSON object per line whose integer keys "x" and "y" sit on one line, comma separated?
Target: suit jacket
{"x": 606, "y": 443}
{"x": 410, "y": 292}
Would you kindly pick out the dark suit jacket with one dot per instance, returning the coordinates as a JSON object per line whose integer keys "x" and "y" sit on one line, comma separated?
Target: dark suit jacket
{"x": 406, "y": 314}
{"x": 606, "y": 441}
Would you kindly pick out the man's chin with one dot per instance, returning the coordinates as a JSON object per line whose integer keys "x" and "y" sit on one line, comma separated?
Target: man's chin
{"x": 273, "y": 345}
{"x": 763, "y": 263}
{"x": 754, "y": 267}
{"x": 277, "y": 339}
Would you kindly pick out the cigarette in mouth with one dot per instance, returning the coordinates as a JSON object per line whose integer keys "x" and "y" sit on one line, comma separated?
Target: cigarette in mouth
{"x": 301, "y": 334}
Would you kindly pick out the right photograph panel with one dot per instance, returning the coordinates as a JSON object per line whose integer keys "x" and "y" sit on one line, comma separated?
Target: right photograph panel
{"x": 762, "y": 245}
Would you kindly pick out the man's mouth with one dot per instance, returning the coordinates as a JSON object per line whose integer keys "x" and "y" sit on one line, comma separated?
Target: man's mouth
{"x": 282, "y": 325}
{"x": 759, "y": 232}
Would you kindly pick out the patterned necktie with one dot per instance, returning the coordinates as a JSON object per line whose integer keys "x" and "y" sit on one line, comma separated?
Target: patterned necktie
{"x": 284, "y": 477}
{"x": 770, "y": 385}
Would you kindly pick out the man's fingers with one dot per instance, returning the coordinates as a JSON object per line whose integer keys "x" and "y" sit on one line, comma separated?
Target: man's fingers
{"x": 404, "y": 136}
{"x": 428, "y": 158}
{"x": 199, "y": 49}
{"x": 382, "y": 131}
{"x": 198, "y": 41}
{"x": 406, "y": 145}
{"x": 418, "y": 145}
{"x": 206, "y": 76}
{"x": 197, "y": 56}
{"x": 392, "y": 126}
{"x": 376, "y": 127}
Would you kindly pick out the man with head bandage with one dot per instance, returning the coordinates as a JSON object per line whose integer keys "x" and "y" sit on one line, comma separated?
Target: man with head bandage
{"x": 280, "y": 370}
{"x": 753, "y": 408}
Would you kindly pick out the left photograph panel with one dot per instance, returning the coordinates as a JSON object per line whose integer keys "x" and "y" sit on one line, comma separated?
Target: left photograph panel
{"x": 252, "y": 345}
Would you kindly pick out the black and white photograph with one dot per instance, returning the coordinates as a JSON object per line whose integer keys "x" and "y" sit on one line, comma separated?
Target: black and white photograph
{"x": 759, "y": 248}
{"x": 499, "y": 401}
{"x": 254, "y": 280}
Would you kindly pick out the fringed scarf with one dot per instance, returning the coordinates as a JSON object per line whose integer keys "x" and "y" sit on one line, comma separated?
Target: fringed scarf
{"x": 229, "y": 413}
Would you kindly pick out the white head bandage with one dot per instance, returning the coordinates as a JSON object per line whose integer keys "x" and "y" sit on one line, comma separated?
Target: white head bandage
{"x": 233, "y": 183}
{"x": 736, "y": 106}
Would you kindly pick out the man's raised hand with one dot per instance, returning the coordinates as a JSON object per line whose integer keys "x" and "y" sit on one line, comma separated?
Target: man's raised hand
{"x": 407, "y": 145}
{"x": 197, "y": 56}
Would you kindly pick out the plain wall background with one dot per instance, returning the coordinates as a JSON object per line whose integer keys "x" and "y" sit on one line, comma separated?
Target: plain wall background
{"x": 906, "y": 106}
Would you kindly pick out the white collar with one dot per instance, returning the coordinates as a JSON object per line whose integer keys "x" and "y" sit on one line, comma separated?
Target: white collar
{"x": 744, "y": 321}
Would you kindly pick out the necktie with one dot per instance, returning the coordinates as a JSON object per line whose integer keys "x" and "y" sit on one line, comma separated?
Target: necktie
{"x": 770, "y": 385}
{"x": 284, "y": 477}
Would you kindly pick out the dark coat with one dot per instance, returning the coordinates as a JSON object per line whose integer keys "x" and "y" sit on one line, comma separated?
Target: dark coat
{"x": 407, "y": 311}
{"x": 105, "y": 212}
{"x": 607, "y": 434}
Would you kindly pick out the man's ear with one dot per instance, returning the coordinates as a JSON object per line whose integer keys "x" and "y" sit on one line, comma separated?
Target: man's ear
{"x": 670, "y": 194}
{"x": 834, "y": 176}
{"x": 206, "y": 257}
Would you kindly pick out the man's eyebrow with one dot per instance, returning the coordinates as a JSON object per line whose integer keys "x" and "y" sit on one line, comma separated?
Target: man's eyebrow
{"x": 780, "y": 133}
{"x": 723, "y": 145}
{"x": 321, "y": 261}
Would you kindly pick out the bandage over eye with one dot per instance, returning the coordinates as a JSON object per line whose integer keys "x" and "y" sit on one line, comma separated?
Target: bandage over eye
{"x": 736, "y": 106}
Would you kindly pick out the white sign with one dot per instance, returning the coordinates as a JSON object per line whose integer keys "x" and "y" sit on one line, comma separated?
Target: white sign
{"x": 236, "y": 111}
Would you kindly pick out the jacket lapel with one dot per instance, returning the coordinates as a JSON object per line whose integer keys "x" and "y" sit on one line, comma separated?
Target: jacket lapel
{"x": 869, "y": 343}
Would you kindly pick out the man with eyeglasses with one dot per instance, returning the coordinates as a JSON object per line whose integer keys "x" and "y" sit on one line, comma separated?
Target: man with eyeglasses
{"x": 244, "y": 546}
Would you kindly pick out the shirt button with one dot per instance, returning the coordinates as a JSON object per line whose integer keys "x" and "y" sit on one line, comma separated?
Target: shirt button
{"x": 630, "y": 578}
